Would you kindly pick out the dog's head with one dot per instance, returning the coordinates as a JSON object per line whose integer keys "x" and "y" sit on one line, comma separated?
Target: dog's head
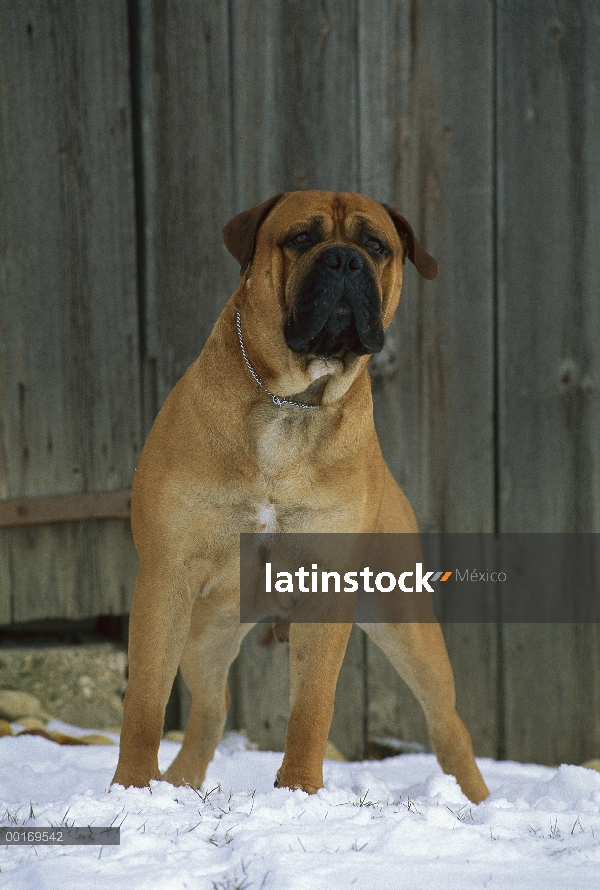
{"x": 333, "y": 261}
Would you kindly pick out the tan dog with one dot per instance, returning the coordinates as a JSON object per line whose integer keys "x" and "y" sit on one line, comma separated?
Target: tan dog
{"x": 277, "y": 435}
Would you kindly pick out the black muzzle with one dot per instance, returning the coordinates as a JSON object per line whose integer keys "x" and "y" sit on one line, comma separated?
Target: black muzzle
{"x": 337, "y": 308}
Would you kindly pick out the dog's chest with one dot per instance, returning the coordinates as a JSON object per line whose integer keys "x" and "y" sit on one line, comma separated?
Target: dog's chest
{"x": 266, "y": 518}
{"x": 283, "y": 442}
{"x": 296, "y": 484}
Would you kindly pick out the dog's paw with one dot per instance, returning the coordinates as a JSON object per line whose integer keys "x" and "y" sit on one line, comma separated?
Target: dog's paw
{"x": 296, "y": 786}
{"x": 131, "y": 778}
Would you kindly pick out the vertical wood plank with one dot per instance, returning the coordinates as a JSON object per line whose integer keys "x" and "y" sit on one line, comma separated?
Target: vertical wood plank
{"x": 295, "y": 115}
{"x": 182, "y": 119}
{"x": 295, "y": 126}
{"x": 549, "y": 362}
{"x": 426, "y": 130}
{"x": 69, "y": 392}
{"x": 262, "y": 688}
{"x": 183, "y": 96}
{"x": 349, "y": 717}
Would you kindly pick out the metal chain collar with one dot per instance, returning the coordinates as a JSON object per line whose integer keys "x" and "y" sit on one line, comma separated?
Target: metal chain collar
{"x": 276, "y": 399}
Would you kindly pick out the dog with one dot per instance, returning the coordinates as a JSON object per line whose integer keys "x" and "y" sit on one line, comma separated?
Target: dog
{"x": 271, "y": 430}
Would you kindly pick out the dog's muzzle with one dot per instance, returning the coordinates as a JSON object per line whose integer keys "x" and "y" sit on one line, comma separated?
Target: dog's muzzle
{"x": 337, "y": 308}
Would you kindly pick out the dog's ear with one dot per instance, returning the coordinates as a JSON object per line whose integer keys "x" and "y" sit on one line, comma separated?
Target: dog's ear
{"x": 240, "y": 232}
{"x": 426, "y": 265}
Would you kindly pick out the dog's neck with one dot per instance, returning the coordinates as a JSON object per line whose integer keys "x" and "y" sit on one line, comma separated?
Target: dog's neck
{"x": 326, "y": 380}
{"x": 277, "y": 400}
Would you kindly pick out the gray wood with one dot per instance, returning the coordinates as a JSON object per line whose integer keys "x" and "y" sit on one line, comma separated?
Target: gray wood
{"x": 549, "y": 320}
{"x": 295, "y": 126}
{"x": 68, "y": 306}
{"x": 183, "y": 107}
{"x": 552, "y": 686}
{"x": 426, "y": 129}
{"x": 294, "y": 97}
{"x": 548, "y": 334}
{"x": 182, "y": 119}
{"x": 350, "y": 712}
{"x": 392, "y": 711}
{"x": 262, "y": 686}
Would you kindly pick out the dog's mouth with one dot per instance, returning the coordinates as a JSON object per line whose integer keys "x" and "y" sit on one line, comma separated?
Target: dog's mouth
{"x": 336, "y": 310}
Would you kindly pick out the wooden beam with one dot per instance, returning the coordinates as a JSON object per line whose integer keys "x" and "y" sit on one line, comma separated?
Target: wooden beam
{"x": 65, "y": 508}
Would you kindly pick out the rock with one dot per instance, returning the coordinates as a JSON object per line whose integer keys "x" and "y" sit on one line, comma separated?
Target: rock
{"x": 332, "y": 753}
{"x": 174, "y": 735}
{"x": 592, "y": 764}
{"x": 96, "y": 738}
{"x": 16, "y": 703}
{"x": 31, "y": 722}
{"x": 64, "y": 738}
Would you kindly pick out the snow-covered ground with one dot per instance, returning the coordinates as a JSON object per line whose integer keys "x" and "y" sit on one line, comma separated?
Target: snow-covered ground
{"x": 397, "y": 823}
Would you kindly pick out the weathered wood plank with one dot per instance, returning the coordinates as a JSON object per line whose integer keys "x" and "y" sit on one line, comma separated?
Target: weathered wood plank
{"x": 65, "y": 508}
{"x": 348, "y": 725}
{"x": 552, "y": 687}
{"x": 295, "y": 126}
{"x": 295, "y": 116}
{"x": 182, "y": 118}
{"x": 548, "y": 334}
{"x": 69, "y": 358}
{"x": 183, "y": 109}
{"x": 426, "y": 100}
{"x": 261, "y": 678}
{"x": 262, "y": 688}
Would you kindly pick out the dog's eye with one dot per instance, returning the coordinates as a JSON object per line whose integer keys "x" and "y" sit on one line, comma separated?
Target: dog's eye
{"x": 301, "y": 239}
{"x": 375, "y": 245}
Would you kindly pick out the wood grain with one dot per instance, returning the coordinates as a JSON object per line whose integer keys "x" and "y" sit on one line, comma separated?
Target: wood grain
{"x": 184, "y": 117}
{"x": 426, "y": 125}
{"x": 548, "y": 336}
{"x": 295, "y": 126}
{"x": 69, "y": 405}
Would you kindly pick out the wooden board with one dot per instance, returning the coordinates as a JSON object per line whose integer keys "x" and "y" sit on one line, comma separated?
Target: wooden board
{"x": 69, "y": 406}
{"x": 548, "y": 334}
{"x": 426, "y": 125}
{"x": 183, "y": 119}
{"x": 294, "y": 87}
{"x": 182, "y": 125}
{"x": 295, "y": 97}
{"x": 262, "y": 689}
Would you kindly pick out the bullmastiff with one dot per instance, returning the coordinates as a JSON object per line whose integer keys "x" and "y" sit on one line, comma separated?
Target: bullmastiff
{"x": 271, "y": 430}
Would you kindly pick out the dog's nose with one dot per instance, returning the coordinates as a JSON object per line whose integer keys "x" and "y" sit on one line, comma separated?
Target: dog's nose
{"x": 342, "y": 260}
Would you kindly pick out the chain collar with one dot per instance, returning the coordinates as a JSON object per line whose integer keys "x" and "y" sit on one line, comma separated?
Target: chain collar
{"x": 276, "y": 399}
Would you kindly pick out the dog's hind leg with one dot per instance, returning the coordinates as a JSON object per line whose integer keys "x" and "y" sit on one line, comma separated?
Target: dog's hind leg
{"x": 316, "y": 655}
{"x": 418, "y": 652}
{"x": 158, "y": 627}
{"x": 214, "y": 641}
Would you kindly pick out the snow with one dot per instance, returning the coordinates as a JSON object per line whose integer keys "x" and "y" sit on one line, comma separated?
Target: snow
{"x": 379, "y": 824}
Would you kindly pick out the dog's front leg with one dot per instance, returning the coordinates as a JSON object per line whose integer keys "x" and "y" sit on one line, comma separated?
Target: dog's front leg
{"x": 316, "y": 655}
{"x": 158, "y": 628}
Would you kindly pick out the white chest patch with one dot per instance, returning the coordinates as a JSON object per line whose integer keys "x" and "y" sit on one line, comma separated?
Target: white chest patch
{"x": 267, "y": 518}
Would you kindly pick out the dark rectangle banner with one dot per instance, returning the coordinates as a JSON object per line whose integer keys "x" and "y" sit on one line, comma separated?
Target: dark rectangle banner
{"x": 451, "y": 578}
{"x": 51, "y": 835}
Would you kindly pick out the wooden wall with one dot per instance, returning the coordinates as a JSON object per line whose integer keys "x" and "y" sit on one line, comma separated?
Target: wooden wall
{"x": 70, "y": 393}
{"x": 131, "y": 132}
